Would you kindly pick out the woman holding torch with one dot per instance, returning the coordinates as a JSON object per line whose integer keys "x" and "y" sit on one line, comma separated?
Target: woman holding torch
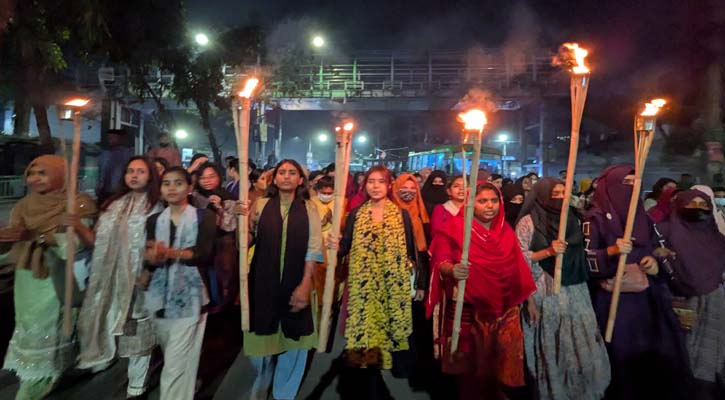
{"x": 565, "y": 352}
{"x": 491, "y": 351}
{"x": 39, "y": 352}
{"x": 286, "y": 227}
{"x": 647, "y": 351}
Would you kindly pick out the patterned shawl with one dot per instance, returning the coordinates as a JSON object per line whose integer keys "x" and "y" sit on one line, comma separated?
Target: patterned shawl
{"x": 117, "y": 259}
{"x": 177, "y": 288}
{"x": 379, "y": 302}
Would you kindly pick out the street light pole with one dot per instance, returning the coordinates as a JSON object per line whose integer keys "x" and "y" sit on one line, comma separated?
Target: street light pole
{"x": 503, "y": 160}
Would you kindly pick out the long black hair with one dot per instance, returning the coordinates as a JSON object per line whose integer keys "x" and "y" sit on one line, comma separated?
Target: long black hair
{"x": 153, "y": 187}
{"x": 219, "y": 189}
{"x": 302, "y": 191}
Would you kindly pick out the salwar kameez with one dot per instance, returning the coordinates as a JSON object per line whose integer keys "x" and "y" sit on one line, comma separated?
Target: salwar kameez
{"x": 565, "y": 352}
{"x": 278, "y": 358}
{"x": 39, "y": 353}
{"x": 177, "y": 297}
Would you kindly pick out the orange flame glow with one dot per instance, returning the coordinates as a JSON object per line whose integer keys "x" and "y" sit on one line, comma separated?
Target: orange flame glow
{"x": 659, "y": 102}
{"x": 579, "y": 55}
{"x": 348, "y": 126}
{"x": 653, "y": 107}
{"x": 77, "y": 102}
{"x": 473, "y": 119}
{"x": 249, "y": 87}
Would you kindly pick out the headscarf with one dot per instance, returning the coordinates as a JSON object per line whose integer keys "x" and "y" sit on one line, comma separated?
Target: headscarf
{"x": 499, "y": 277}
{"x": 415, "y": 208}
{"x": 512, "y": 210}
{"x": 611, "y": 199}
{"x": 699, "y": 246}
{"x": 663, "y": 208}
{"x": 218, "y": 190}
{"x": 41, "y": 214}
{"x": 658, "y": 187}
{"x": 520, "y": 181}
{"x": 719, "y": 219}
{"x": 545, "y": 213}
{"x": 434, "y": 194}
{"x": 585, "y": 185}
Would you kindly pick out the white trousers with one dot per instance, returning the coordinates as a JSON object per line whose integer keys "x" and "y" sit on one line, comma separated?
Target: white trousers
{"x": 138, "y": 371}
{"x": 284, "y": 372}
{"x": 180, "y": 340}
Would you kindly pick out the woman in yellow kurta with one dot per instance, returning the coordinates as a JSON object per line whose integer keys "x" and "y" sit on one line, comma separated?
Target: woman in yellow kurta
{"x": 286, "y": 228}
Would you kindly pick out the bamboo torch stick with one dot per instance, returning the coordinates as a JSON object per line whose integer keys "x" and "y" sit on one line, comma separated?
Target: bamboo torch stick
{"x": 71, "y": 191}
{"x": 240, "y": 115}
{"x": 342, "y": 166}
{"x": 474, "y": 121}
{"x": 644, "y": 128}
{"x": 578, "y": 88}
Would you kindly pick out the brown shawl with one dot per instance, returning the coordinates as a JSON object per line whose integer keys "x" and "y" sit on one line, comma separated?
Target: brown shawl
{"x": 41, "y": 215}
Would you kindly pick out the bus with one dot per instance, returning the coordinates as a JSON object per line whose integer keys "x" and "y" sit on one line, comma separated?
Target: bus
{"x": 449, "y": 159}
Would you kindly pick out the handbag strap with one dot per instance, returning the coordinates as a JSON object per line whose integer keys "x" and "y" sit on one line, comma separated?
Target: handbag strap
{"x": 665, "y": 261}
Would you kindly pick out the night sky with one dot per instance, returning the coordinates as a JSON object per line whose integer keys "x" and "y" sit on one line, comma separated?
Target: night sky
{"x": 637, "y": 48}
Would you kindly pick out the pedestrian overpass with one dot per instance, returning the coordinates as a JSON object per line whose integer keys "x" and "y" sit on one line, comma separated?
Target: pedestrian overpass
{"x": 381, "y": 80}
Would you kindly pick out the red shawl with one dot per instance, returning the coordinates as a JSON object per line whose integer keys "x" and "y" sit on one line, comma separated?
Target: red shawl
{"x": 499, "y": 277}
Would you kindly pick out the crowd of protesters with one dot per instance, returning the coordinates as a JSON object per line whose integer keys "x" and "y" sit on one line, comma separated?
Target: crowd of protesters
{"x": 157, "y": 275}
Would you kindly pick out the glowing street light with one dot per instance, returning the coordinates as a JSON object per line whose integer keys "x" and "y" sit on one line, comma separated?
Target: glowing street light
{"x": 503, "y": 137}
{"x": 318, "y": 41}
{"x": 201, "y": 39}
{"x": 181, "y": 134}
{"x": 362, "y": 139}
{"x": 322, "y": 137}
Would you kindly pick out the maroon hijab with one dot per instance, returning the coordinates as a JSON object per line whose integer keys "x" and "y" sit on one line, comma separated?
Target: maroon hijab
{"x": 611, "y": 199}
{"x": 699, "y": 246}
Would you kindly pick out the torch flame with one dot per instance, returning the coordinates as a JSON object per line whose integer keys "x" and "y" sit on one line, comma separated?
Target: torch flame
{"x": 659, "y": 102}
{"x": 579, "y": 55}
{"x": 651, "y": 108}
{"x": 249, "y": 87}
{"x": 473, "y": 119}
{"x": 77, "y": 102}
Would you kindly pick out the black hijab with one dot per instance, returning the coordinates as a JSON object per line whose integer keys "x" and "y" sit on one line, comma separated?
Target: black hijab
{"x": 512, "y": 210}
{"x": 545, "y": 213}
{"x": 434, "y": 194}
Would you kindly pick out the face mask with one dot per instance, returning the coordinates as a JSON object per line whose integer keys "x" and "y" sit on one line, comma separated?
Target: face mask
{"x": 720, "y": 201}
{"x": 556, "y": 204}
{"x": 325, "y": 198}
{"x": 406, "y": 196}
{"x": 694, "y": 214}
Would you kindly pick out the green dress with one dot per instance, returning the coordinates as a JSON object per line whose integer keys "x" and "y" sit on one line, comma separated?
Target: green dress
{"x": 39, "y": 352}
{"x": 268, "y": 345}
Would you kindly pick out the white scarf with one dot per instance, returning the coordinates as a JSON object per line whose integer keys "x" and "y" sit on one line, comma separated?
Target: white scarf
{"x": 117, "y": 259}
{"x": 719, "y": 219}
{"x": 178, "y": 288}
